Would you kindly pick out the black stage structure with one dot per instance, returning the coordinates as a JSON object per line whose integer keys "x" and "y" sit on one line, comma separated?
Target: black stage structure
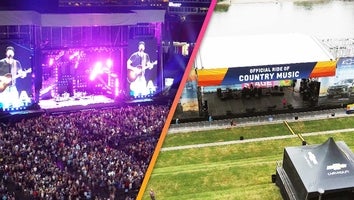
{"x": 324, "y": 171}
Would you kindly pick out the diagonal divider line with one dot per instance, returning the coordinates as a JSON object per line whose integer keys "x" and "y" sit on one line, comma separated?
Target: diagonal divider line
{"x": 292, "y": 131}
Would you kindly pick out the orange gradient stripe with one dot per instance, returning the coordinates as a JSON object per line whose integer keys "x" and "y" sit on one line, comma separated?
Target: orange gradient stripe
{"x": 211, "y": 77}
{"x": 175, "y": 102}
{"x": 324, "y": 69}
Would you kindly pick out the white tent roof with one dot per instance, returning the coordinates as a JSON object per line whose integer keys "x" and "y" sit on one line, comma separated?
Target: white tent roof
{"x": 8, "y": 18}
{"x": 256, "y": 50}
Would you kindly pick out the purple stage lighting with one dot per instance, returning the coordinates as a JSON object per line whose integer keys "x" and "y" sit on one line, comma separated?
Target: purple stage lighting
{"x": 74, "y": 55}
{"x": 109, "y": 63}
{"x": 76, "y": 65}
{"x": 96, "y": 70}
{"x": 116, "y": 88}
{"x": 51, "y": 61}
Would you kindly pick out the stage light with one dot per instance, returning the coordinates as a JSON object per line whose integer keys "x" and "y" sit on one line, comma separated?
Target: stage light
{"x": 51, "y": 62}
{"x": 116, "y": 86}
{"x": 109, "y": 63}
{"x": 76, "y": 65}
{"x": 169, "y": 82}
{"x": 96, "y": 70}
{"x": 74, "y": 55}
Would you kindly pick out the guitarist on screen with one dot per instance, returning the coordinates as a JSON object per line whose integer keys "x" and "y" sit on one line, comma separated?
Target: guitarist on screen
{"x": 137, "y": 63}
{"x": 10, "y": 69}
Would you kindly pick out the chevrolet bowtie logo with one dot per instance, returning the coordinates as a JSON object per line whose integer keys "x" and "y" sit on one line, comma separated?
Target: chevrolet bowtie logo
{"x": 336, "y": 166}
{"x": 348, "y": 61}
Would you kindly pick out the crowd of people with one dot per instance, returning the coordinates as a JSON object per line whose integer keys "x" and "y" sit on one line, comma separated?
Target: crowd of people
{"x": 91, "y": 154}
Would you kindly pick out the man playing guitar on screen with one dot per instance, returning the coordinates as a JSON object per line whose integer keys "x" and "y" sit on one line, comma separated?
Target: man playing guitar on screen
{"x": 10, "y": 70}
{"x": 137, "y": 63}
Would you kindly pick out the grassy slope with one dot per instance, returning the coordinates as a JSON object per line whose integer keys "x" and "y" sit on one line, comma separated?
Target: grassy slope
{"x": 202, "y": 137}
{"x": 240, "y": 171}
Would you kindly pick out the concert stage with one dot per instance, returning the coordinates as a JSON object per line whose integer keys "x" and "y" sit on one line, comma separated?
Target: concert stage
{"x": 71, "y": 101}
{"x": 88, "y": 102}
{"x": 52, "y": 106}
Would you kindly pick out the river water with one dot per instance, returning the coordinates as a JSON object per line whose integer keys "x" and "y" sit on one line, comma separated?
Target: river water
{"x": 322, "y": 19}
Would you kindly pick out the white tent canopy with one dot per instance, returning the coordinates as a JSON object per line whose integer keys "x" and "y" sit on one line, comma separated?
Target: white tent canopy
{"x": 256, "y": 50}
{"x": 15, "y": 18}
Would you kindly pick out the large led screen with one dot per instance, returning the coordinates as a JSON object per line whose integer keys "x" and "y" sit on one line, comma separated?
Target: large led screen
{"x": 16, "y": 91}
{"x": 142, "y": 68}
{"x": 79, "y": 76}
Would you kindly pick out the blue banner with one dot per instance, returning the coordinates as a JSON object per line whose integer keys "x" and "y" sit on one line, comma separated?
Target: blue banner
{"x": 264, "y": 73}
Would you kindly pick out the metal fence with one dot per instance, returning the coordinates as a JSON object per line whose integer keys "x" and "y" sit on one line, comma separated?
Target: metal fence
{"x": 257, "y": 120}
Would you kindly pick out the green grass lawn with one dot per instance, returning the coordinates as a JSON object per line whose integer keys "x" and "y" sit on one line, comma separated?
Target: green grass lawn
{"x": 238, "y": 171}
{"x": 201, "y": 137}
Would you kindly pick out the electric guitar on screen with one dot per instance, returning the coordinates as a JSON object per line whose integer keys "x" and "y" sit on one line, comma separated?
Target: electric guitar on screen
{"x": 6, "y": 80}
{"x": 133, "y": 74}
